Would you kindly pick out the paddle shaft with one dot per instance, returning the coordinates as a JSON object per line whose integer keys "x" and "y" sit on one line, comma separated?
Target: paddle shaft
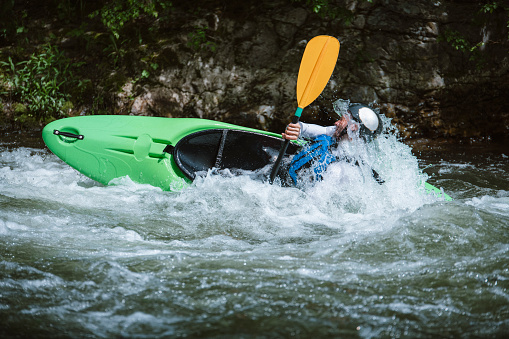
{"x": 282, "y": 151}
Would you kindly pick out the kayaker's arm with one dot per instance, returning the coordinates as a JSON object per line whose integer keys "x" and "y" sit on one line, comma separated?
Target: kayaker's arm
{"x": 311, "y": 131}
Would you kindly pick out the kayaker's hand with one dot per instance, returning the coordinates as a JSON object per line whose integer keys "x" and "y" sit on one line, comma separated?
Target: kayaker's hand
{"x": 341, "y": 126}
{"x": 292, "y": 132}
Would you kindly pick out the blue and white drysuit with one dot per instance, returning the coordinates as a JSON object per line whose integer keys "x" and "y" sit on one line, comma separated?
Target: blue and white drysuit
{"x": 317, "y": 155}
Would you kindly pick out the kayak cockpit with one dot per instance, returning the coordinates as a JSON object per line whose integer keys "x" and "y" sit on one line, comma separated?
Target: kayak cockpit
{"x": 226, "y": 148}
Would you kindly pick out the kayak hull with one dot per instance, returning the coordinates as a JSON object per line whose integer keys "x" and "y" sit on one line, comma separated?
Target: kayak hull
{"x": 107, "y": 147}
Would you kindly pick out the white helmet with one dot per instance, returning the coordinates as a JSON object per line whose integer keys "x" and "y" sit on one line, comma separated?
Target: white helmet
{"x": 370, "y": 121}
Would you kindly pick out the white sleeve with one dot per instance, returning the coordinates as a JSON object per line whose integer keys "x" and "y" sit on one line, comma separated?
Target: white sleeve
{"x": 310, "y": 131}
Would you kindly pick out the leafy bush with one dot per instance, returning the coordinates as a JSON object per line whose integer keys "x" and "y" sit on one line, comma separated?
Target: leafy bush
{"x": 119, "y": 18}
{"x": 198, "y": 39}
{"x": 42, "y": 83}
{"x": 117, "y": 13}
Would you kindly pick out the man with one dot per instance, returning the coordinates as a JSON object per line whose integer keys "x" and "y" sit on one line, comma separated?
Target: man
{"x": 318, "y": 155}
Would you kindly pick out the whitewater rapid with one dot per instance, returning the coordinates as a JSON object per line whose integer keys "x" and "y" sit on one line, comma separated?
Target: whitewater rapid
{"x": 233, "y": 256}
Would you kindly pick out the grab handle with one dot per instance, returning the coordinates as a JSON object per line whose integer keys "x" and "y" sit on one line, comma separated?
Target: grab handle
{"x": 69, "y": 135}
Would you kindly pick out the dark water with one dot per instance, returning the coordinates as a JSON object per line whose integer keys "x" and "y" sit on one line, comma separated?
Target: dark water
{"x": 237, "y": 258}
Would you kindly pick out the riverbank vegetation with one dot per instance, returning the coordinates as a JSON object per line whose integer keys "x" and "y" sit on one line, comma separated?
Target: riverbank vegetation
{"x": 64, "y": 56}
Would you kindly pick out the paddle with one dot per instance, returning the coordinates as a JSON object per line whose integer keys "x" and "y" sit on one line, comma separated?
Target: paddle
{"x": 318, "y": 62}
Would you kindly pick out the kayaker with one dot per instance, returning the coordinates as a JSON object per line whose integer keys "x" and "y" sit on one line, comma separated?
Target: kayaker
{"x": 358, "y": 120}
{"x": 359, "y": 116}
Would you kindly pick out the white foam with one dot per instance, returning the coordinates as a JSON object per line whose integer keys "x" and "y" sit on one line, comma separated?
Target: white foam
{"x": 240, "y": 208}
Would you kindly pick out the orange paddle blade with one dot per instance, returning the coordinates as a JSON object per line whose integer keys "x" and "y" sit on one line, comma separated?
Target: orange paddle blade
{"x": 316, "y": 67}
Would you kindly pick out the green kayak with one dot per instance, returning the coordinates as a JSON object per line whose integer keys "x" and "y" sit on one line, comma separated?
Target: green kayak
{"x": 164, "y": 152}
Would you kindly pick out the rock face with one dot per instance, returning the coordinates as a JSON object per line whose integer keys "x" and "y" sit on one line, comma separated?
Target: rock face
{"x": 244, "y": 68}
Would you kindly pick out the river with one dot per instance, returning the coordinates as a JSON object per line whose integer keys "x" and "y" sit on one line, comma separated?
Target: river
{"x": 237, "y": 258}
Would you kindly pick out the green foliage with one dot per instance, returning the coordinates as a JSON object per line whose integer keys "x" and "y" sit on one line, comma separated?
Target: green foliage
{"x": 116, "y": 14}
{"x": 489, "y": 7}
{"x": 109, "y": 33}
{"x": 493, "y": 6}
{"x": 456, "y": 40}
{"x": 460, "y": 43}
{"x": 152, "y": 66}
{"x": 42, "y": 84}
{"x": 198, "y": 39}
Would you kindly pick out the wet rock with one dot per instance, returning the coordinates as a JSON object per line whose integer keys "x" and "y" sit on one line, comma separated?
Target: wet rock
{"x": 390, "y": 55}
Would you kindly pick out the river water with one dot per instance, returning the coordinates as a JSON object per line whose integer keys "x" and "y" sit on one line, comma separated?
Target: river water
{"x": 238, "y": 258}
